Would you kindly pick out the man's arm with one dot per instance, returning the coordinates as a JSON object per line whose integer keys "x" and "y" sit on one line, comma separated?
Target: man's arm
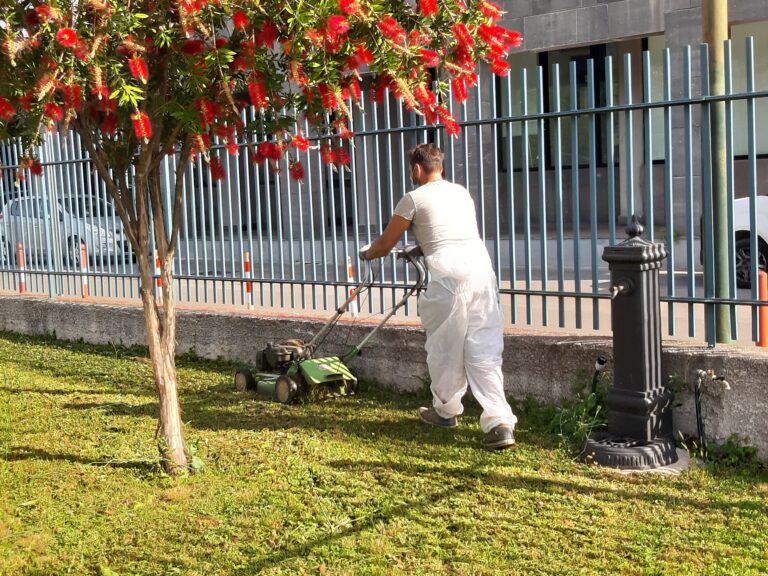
{"x": 384, "y": 243}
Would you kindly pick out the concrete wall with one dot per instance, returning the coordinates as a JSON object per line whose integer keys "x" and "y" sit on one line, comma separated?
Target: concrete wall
{"x": 538, "y": 365}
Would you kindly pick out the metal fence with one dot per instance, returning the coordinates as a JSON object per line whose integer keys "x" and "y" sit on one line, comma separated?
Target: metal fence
{"x": 557, "y": 160}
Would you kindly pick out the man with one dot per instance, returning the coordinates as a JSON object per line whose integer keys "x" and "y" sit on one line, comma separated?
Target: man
{"x": 460, "y": 308}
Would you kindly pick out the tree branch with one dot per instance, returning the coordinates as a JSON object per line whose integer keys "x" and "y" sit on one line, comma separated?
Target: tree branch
{"x": 178, "y": 196}
{"x": 99, "y": 160}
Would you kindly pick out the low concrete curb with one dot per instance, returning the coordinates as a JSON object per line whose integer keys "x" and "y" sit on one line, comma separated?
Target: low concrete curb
{"x": 542, "y": 366}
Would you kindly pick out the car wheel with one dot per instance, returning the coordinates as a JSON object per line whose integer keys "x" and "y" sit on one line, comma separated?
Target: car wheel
{"x": 744, "y": 261}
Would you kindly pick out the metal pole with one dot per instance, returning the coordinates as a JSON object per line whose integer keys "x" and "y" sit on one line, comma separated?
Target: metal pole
{"x": 715, "y": 33}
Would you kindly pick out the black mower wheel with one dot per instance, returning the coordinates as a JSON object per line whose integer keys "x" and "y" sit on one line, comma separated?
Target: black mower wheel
{"x": 244, "y": 380}
{"x": 286, "y": 390}
{"x": 352, "y": 387}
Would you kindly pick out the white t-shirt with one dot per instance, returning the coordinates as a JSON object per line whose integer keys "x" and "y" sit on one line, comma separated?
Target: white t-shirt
{"x": 442, "y": 214}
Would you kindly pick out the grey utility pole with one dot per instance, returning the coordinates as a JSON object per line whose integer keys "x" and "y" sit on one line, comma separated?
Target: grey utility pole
{"x": 714, "y": 14}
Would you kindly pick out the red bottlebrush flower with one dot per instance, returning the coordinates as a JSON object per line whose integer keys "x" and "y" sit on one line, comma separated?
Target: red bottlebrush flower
{"x": 193, "y": 46}
{"x": 379, "y": 89}
{"x": 72, "y": 96}
{"x": 490, "y": 10}
{"x": 270, "y": 150}
{"x": 343, "y": 131}
{"x": 26, "y": 101}
{"x": 258, "y": 94}
{"x": 239, "y": 64}
{"x": 82, "y": 50}
{"x": 354, "y": 89}
{"x": 462, "y": 35}
{"x": 257, "y": 158}
{"x": 224, "y": 131}
{"x": 451, "y": 126}
{"x": 327, "y": 96}
{"x": 108, "y": 105}
{"x": 514, "y": 39}
{"x": 267, "y": 35}
{"x": 35, "y": 167}
{"x": 341, "y": 156}
{"x": 326, "y": 154}
{"x": 240, "y": 20}
{"x": 138, "y": 68}
{"x": 201, "y": 144}
{"x": 207, "y": 112}
{"x": 220, "y": 43}
{"x": 338, "y": 24}
{"x": 492, "y": 35}
{"x": 142, "y": 127}
{"x": 45, "y": 12}
{"x": 363, "y": 55}
{"x": 66, "y": 37}
{"x": 349, "y": 6}
{"x": 314, "y": 37}
{"x": 500, "y": 67}
{"x": 7, "y": 111}
{"x": 217, "y": 170}
{"x": 429, "y": 57}
{"x": 424, "y": 96}
{"x": 53, "y": 111}
{"x": 109, "y": 124}
{"x": 296, "y": 170}
{"x": 98, "y": 6}
{"x": 428, "y": 7}
{"x": 233, "y": 148}
{"x": 300, "y": 142}
{"x": 430, "y": 116}
{"x": 391, "y": 29}
{"x": 459, "y": 89}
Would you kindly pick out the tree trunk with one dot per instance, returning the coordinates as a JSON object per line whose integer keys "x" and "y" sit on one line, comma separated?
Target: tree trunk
{"x": 161, "y": 337}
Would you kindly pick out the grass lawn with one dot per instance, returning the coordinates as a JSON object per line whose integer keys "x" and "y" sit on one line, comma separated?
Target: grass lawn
{"x": 348, "y": 486}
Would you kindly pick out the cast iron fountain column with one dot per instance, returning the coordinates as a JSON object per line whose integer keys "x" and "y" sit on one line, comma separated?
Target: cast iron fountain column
{"x": 639, "y": 434}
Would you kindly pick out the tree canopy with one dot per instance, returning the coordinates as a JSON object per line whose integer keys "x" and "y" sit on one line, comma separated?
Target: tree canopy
{"x": 161, "y": 70}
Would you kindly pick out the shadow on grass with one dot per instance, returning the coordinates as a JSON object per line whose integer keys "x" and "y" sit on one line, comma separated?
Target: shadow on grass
{"x": 408, "y": 509}
{"x": 76, "y": 391}
{"x": 469, "y": 479}
{"x": 117, "y": 408}
{"x": 643, "y": 491}
{"x": 24, "y": 453}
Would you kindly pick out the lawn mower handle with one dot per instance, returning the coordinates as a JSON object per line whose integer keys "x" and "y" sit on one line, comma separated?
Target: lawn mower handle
{"x": 414, "y": 255}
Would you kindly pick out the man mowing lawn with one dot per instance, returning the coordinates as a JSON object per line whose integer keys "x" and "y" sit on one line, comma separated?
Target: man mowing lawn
{"x": 460, "y": 309}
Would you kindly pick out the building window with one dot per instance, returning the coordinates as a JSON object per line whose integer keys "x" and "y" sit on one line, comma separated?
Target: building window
{"x": 572, "y": 64}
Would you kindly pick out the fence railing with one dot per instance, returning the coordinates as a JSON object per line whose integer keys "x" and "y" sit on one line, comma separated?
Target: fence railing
{"x": 557, "y": 160}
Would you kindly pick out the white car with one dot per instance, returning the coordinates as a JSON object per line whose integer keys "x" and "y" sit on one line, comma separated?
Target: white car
{"x": 741, "y": 226}
{"x": 84, "y": 222}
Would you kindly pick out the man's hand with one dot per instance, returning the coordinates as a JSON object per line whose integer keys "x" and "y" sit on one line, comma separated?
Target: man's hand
{"x": 363, "y": 252}
{"x": 384, "y": 243}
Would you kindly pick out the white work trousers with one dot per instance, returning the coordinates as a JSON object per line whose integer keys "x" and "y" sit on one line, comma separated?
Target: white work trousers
{"x": 461, "y": 316}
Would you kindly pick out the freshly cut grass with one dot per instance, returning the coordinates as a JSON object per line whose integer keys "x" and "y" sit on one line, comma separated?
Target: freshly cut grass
{"x": 346, "y": 486}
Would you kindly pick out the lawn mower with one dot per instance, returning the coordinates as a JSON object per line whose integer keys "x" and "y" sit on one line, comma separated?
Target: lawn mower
{"x": 289, "y": 371}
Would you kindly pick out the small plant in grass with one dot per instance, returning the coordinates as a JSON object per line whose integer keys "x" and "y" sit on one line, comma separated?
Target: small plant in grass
{"x": 734, "y": 454}
{"x": 578, "y": 417}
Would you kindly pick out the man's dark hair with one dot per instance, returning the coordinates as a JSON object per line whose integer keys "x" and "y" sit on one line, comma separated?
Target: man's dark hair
{"x": 428, "y": 156}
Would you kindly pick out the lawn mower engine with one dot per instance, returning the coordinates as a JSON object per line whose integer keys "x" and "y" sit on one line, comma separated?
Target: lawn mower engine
{"x": 280, "y": 356}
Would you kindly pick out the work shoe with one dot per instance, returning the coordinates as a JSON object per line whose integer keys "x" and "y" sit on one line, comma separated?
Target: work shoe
{"x": 499, "y": 438}
{"x": 430, "y": 416}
